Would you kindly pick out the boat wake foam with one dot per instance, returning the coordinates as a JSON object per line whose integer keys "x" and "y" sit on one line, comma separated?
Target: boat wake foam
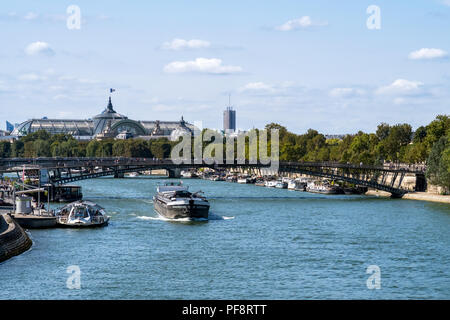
{"x": 211, "y": 216}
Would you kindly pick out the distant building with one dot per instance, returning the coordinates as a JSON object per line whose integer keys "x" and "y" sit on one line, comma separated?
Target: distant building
{"x": 334, "y": 136}
{"x": 108, "y": 124}
{"x": 229, "y": 120}
{"x": 234, "y": 134}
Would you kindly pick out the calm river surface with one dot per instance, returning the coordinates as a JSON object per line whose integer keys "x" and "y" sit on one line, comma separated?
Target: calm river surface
{"x": 260, "y": 244}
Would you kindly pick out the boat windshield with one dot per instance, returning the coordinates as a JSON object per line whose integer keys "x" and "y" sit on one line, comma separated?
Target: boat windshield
{"x": 80, "y": 212}
{"x": 182, "y": 193}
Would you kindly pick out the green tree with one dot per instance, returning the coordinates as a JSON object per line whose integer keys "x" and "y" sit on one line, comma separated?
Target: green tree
{"x": 420, "y": 134}
{"x": 17, "y": 149}
{"x": 399, "y": 136}
{"x": 121, "y": 149}
{"x": 437, "y": 129}
{"x": 160, "y": 148}
{"x": 105, "y": 149}
{"x": 42, "y": 148}
{"x": 5, "y": 149}
{"x": 383, "y": 130}
{"x": 438, "y": 163}
{"x": 415, "y": 153}
{"x": 38, "y": 135}
{"x": 92, "y": 147}
{"x": 139, "y": 148}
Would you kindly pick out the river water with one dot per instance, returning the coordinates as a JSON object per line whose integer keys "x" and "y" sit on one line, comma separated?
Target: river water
{"x": 260, "y": 243}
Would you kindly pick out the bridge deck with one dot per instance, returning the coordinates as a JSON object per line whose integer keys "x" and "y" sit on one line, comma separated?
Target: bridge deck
{"x": 65, "y": 170}
{"x": 17, "y": 164}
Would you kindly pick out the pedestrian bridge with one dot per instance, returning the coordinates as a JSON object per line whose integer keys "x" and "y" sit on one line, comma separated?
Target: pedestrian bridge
{"x": 66, "y": 170}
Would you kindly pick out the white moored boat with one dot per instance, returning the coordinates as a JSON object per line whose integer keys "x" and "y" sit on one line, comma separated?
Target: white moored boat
{"x": 320, "y": 188}
{"x": 243, "y": 180}
{"x": 82, "y": 214}
{"x": 291, "y": 184}
{"x": 186, "y": 174}
{"x": 281, "y": 184}
{"x": 133, "y": 174}
{"x": 297, "y": 184}
{"x": 271, "y": 183}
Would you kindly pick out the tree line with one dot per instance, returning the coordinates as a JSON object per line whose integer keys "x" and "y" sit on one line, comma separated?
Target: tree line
{"x": 43, "y": 144}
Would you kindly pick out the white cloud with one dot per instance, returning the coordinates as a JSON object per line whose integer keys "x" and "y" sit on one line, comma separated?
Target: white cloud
{"x": 257, "y": 87}
{"x": 30, "y": 16}
{"x": 401, "y": 87}
{"x": 427, "y": 53}
{"x": 88, "y": 81}
{"x": 201, "y": 65}
{"x": 399, "y": 101}
{"x": 346, "y": 92}
{"x": 281, "y": 89}
{"x": 56, "y": 88}
{"x": 179, "y": 44}
{"x": 60, "y": 97}
{"x": 78, "y": 80}
{"x": 300, "y": 23}
{"x": 39, "y": 47}
{"x": 31, "y": 77}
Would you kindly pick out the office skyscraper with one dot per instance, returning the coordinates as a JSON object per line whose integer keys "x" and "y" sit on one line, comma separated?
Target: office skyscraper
{"x": 229, "y": 118}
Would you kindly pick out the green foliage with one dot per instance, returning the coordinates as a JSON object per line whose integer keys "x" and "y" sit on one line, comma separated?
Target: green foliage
{"x": 38, "y": 135}
{"x": 5, "y": 149}
{"x": 139, "y": 149}
{"x": 415, "y": 153}
{"x": 420, "y": 134}
{"x": 438, "y": 169}
{"x": 160, "y": 148}
{"x": 383, "y": 130}
{"x": 17, "y": 149}
{"x": 437, "y": 129}
{"x": 92, "y": 147}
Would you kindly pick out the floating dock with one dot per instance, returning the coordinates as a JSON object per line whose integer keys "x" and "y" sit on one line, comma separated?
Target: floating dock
{"x": 32, "y": 221}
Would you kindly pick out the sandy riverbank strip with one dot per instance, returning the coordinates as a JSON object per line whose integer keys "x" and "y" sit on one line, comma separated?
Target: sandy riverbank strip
{"x": 422, "y": 196}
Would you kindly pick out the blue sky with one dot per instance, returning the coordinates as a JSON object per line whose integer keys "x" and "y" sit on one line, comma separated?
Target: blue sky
{"x": 303, "y": 64}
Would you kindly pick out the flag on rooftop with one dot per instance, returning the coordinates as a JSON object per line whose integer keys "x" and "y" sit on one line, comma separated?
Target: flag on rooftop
{"x": 112, "y": 90}
{"x": 9, "y": 126}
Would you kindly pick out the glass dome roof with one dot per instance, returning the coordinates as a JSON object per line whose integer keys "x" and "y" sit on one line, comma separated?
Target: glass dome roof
{"x": 106, "y": 118}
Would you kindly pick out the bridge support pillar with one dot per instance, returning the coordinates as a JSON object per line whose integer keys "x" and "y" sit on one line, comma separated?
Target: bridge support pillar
{"x": 174, "y": 173}
{"x": 421, "y": 182}
{"x": 119, "y": 175}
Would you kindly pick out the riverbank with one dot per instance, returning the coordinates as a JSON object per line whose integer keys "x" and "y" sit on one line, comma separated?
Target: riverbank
{"x": 421, "y": 196}
{"x": 13, "y": 239}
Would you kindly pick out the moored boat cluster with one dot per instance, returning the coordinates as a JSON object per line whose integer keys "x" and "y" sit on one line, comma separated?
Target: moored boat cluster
{"x": 314, "y": 185}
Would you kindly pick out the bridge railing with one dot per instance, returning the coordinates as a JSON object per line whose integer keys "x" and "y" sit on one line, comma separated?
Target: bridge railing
{"x": 63, "y": 162}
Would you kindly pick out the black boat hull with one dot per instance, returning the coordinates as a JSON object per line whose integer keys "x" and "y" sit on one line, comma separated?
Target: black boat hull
{"x": 192, "y": 211}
